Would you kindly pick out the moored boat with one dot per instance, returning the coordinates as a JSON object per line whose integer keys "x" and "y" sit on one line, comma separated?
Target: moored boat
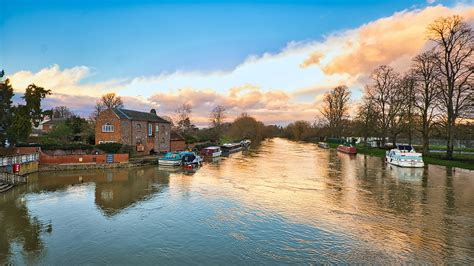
{"x": 190, "y": 158}
{"x": 212, "y": 151}
{"x": 170, "y": 159}
{"x": 183, "y": 158}
{"x": 245, "y": 143}
{"x": 404, "y": 156}
{"x": 349, "y": 149}
{"x": 323, "y": 145}
{"x": 228, "y": 148}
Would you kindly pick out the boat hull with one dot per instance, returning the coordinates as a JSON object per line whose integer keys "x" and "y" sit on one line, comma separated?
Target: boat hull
{"x": 168, "y": 162}
{"x": 323, "y": 145}
{"x": 408, "y": 164}
{"x": 347, "y": 149}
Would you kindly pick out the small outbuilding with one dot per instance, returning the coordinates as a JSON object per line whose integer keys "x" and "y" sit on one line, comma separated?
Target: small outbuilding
{"x": 178, "y": 143}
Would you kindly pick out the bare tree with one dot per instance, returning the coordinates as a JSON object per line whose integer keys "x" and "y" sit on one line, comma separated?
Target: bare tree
{"x": 218, "y": 116}
{"x": 408, "y": 112}
{"x": 183, "y": 120}
{"x": 426, "y": 93}
{"x": 366, "y": 119}
{"x": 454, "y": 41}
{"x": 62, "y": 112}
{"x": 385, "y": 94}
{"x": 98, "y": 107}
{"x": 335, "y": 108}
{"x": 106, "y": 101}
{"x": 111, "y": 100}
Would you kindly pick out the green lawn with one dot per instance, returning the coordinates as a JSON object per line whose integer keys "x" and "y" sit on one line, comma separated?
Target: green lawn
{"x": 442, "y": 148}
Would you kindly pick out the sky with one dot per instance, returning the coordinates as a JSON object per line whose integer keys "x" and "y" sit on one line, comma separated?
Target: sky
{"x": 271, "y": 59}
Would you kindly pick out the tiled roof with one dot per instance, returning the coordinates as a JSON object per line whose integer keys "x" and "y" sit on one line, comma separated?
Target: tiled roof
{"x": 137, "y": 115}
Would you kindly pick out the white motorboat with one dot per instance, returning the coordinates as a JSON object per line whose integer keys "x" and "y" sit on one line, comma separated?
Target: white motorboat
{"x": 404, "y": 156}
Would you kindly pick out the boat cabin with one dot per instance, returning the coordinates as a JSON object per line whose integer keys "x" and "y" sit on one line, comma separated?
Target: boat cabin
{"x": 211, "y": 151}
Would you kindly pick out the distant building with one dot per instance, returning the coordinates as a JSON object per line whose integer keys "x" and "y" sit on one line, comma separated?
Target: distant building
{"x": 147, "y": 132}
{"x": 178, "y": 143}
{"x": 46, "y": 125}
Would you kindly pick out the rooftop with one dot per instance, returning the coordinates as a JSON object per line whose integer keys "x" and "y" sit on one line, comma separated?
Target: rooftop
{"x": 137, "y": 115}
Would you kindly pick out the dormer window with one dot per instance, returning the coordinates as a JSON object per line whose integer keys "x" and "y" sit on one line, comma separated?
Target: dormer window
{"x": 107, "y": 127}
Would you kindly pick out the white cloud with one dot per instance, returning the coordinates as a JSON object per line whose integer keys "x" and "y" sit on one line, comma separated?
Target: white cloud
{"x": 278, "y": 87}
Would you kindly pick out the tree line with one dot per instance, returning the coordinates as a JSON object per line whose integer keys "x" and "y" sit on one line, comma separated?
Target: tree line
{"x": 17, "y": 121}
{"x": 435, "y": 93}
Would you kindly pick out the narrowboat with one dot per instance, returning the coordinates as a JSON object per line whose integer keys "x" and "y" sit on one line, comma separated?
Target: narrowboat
{"x": 228, "y": 148}
{"x": 180, "y": 158}
{"x": 404, "y": 156}
{"x": 212, "y": 151}
{"x": 349, "y": 149}
{"x": 323, "y": 145}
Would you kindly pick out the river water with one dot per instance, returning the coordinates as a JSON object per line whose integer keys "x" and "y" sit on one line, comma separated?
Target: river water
{"x": 282, "y": 202}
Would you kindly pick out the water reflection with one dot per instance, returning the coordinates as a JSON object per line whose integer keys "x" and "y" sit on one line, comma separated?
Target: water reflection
{"x": 283, "y": 202}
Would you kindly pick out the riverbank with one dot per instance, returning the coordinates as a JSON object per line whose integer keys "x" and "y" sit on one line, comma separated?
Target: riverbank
{"x": 133, "y": 162}
{"x": 461, "y": 161}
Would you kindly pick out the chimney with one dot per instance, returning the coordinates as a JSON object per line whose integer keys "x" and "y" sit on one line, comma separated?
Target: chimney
{"x": 153, "y": 111}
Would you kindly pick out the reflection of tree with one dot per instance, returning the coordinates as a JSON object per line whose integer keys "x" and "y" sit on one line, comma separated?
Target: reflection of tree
{"x": 18, "y": 227}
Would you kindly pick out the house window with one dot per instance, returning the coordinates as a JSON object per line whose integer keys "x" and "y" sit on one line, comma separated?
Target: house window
{"x": 157, "y": 128}
{"x": 107, "y": 127}
{"x": 150, "y": 130}
{"x": 139, "y": 127}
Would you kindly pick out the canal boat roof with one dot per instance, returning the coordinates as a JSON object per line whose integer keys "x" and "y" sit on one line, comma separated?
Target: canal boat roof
{"x": 230, "y": 145}
{"x": 212, "y": 148}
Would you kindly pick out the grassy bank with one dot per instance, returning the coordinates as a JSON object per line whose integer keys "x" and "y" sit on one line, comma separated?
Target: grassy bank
{"x": 460, "y": 160}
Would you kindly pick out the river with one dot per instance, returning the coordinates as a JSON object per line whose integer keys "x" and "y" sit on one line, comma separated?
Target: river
{"x": 281, "y": 202}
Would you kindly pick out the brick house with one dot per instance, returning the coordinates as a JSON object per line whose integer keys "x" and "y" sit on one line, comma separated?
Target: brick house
{"x": 178, "y": 143}
{"x": 147, "y": 132}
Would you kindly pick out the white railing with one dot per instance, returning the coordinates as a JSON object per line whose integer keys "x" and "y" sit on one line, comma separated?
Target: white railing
{"x": 26, "y": 158}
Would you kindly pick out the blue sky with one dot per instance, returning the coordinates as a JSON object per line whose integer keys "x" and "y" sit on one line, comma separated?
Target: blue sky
{"x": 129, "y": 38}
{"x": 267, "y": 58}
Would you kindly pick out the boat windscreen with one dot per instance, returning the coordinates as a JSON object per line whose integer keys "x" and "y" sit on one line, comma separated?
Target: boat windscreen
{"x": 405, "y": 147}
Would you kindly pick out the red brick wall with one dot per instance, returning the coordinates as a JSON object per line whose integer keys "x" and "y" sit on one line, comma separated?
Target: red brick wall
{"x": 86, "y": 158}
{"x": 107, "y": 116}
{"x": 178, "y": 145}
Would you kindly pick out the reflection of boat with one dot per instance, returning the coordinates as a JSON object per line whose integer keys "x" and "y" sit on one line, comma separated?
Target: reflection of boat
{"x": 323, "y": 145}
{"x": 407, "y": 174}
{"x": 180, "y": 158}
{"x": 349, "y": 149}
{"x": 405, "y": 156}
{"x": 212, "y": 151}
{"x": 170, "y": 159}
{"x": 231, "y": 147}
{"x": 212, "y": 159}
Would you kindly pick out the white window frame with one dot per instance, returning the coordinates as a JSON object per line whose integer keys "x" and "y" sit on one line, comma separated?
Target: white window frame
{"x": 106, "y": 141}
{"x": 108, "y": 128}
{"x": 157, "y": 128}
{"x": 150, "y": 130}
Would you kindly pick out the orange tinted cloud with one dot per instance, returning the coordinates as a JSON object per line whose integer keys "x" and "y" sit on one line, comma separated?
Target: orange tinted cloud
{"x": 392, "y": 40}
